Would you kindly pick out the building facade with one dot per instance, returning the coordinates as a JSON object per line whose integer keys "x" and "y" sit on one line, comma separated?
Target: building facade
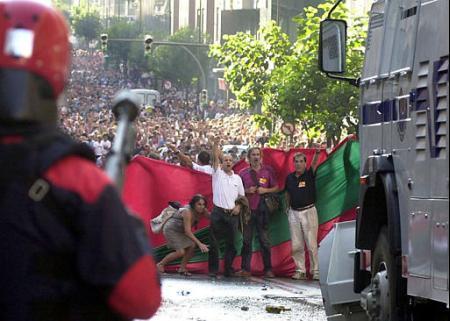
{"x": 213, "y": 18}
{"x": 132, "y": 9}
{"x": 221, "y": 17}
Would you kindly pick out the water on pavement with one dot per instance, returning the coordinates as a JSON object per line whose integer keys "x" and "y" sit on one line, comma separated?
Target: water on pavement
{"x": 204, "y": 299}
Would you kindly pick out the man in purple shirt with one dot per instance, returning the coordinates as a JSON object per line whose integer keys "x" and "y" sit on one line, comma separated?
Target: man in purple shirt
{"x": 259, "y": 180}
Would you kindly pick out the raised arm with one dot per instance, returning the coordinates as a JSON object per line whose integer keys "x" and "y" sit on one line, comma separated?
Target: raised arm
{"x": 216, "y": 153}
{"x": 184, "y": 159}
{"x": 315, "y": 160}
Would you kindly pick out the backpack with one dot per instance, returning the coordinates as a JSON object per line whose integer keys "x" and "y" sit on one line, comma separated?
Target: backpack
{"x": 157, "y": 223}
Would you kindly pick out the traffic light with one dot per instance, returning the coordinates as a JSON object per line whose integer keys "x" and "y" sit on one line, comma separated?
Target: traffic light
{"x": 148, "y": 40}
{"x": 104, "y": 41}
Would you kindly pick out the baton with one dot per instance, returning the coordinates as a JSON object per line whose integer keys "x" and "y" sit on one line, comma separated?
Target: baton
{"x": 125, "y": 109}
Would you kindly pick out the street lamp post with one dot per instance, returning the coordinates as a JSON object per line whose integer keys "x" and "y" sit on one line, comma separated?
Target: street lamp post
{"x": 109, "y": 14}
{"x": 140, "y": 16}
{"x": 198, "y": 64}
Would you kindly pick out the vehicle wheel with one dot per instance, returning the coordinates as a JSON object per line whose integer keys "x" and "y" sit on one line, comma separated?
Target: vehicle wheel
{"x": 442, "y": 316}
{"x": 430, "y": 311}
{"x": 387, "y": 278}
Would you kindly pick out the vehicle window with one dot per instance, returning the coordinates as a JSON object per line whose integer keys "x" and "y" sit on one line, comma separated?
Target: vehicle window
{"x": 141, "y": 99}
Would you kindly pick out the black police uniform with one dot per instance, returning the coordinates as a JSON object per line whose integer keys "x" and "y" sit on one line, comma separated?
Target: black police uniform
{"x": 63, "y": 248}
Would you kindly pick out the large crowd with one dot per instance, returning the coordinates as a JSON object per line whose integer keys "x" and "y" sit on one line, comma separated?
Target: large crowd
{"x": 85, "y": 114}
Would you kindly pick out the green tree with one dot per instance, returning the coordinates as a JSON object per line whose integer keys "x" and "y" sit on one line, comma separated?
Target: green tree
{"x": 64, "y": 6}
{"x": 249, "y": 63}
{"x": 86, "y": 24}
{"x": 126, "y": 45}
{"x": 175, "y": 63}
{"x": 125, "y": 51}
{"x": 321, "y": 104}
{"x": 285, "y": 78}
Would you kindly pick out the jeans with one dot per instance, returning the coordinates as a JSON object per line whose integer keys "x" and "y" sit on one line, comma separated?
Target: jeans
{"x": 223, "y": 226}
{"x": 260, "y": 221}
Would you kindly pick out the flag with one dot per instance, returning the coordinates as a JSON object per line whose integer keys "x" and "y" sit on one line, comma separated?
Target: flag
{"x": 151, "y": 184}
{"x": 337, "y": 181}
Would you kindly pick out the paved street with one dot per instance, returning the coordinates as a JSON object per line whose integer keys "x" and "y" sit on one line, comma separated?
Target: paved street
{"x": 200, "y": 298}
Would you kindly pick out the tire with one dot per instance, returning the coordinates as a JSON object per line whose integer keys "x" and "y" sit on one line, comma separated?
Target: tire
{"x": 383, "y": 260}
{"x": 430, "y": 311}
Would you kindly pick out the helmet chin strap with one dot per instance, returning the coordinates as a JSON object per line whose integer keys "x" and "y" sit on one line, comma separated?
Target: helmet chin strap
{"x": 25, "y": 97}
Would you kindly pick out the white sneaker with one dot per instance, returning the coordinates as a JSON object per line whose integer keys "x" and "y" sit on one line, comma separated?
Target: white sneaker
{"x": 316, "y": 276}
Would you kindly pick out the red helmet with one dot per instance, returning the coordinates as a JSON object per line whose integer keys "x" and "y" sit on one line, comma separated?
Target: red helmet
{"x": 34, "y": 37}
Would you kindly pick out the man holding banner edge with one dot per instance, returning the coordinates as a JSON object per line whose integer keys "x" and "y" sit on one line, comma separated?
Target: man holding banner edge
{"x": 302, "y": 214}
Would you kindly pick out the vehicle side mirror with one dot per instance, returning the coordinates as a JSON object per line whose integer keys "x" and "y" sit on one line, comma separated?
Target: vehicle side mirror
{"x": 333, "y": 46}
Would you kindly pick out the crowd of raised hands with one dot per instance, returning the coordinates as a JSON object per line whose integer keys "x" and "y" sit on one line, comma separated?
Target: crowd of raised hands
{"x": 85, "y": 114}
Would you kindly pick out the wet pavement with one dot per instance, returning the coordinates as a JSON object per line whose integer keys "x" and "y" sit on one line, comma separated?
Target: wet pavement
{"x": 200, "y": 298}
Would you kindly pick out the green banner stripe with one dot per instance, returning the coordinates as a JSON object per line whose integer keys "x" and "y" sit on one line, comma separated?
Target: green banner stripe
{"x": 279, "y": 233}
{"x": 337, "y": 182}
{"x": 337, "y": 185}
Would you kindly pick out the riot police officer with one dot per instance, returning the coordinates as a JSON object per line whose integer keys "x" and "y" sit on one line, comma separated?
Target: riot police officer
{"x": 68, "y": 248}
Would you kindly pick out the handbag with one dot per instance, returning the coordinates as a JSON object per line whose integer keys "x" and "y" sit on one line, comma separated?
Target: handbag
{"x": 272, "y": 200}
{"x": 157, "y": 223}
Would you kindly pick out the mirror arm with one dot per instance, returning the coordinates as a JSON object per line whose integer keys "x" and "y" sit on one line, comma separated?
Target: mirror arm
{"x": 334, "y": 8}
{"x": 353, "y": 81}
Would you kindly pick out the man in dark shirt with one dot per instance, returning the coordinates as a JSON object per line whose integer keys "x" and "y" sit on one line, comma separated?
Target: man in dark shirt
{"x": 302, "y": 213}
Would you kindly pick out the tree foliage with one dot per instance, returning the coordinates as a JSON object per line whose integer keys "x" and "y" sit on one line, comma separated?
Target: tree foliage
{"x": 321, "y": 104}
{"x": 175, "y": 63}
{"x": 167, "y": 62}
{"x": 64, "y": 6}
{"x": 125, "y": 51}
{"x": 85, "y": 21}
{"x": 285, "y": 78}
{"x": 249, "y": 63}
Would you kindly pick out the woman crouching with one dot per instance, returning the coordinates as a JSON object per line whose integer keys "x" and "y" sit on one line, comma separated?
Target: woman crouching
{"x": 179, "y": 236}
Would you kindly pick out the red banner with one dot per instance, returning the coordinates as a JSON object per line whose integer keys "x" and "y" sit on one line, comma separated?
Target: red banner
{"x": 282, "y": 161}
{"x": 151, "y": 184}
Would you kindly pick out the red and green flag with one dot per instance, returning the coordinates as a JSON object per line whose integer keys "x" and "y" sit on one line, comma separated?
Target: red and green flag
{"x": 151, "y": 184}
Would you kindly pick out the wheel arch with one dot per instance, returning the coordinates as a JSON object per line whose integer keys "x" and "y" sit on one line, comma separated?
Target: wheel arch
{"x": 379, "y": 205}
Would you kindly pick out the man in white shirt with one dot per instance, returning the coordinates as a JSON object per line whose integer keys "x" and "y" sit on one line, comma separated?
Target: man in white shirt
{"x": 227, "y": 188}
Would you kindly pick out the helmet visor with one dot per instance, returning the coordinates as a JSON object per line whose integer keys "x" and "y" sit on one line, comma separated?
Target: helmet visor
{"x": 19, "y": 43}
